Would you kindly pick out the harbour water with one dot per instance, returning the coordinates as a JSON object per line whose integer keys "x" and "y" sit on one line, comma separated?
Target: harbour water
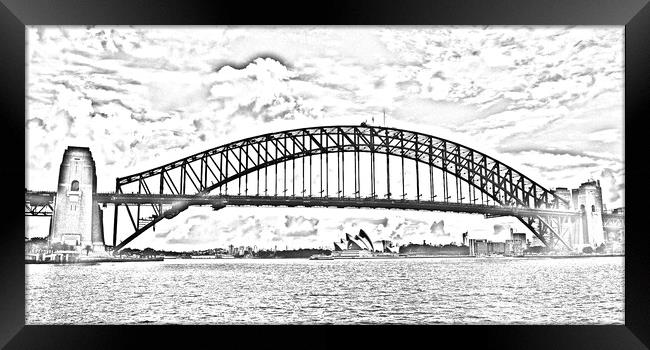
{"x": 299, "y": 291}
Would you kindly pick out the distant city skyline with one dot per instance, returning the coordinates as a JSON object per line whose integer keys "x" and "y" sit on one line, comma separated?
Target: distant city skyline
{"x": 547, "y": 101}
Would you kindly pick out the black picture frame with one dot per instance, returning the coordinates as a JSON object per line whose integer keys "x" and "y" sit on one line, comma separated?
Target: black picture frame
{"x": 633, "y": 14}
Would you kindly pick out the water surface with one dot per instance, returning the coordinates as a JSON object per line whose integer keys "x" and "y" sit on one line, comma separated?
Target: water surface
{"x": 295, "y": 291}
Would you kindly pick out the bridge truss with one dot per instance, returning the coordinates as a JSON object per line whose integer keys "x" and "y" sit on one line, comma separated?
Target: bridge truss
{"x": 333, "y": 163}
{"x": 39, "y": 203}
{"x": 39, "y": 210}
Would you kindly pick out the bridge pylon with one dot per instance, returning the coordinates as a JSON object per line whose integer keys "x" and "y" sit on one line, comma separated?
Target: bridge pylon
{"x": 77, "y": 218}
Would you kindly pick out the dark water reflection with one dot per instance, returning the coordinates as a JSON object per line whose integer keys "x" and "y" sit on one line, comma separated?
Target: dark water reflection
{"x": 251, "y": 291}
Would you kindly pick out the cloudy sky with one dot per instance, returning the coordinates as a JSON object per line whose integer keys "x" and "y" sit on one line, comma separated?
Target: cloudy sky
{"x": 547, "y": 101}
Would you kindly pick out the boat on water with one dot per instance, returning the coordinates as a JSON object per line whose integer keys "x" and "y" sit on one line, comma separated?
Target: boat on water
{"x": 321, "y": 257}
{"x": 224, "y": 256}
{"x": 363, "y": 254}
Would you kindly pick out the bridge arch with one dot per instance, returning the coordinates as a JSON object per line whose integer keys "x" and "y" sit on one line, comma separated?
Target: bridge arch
{"x": 215, "y": 168}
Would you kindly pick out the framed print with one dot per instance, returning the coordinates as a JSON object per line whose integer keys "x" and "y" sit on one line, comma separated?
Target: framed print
{"x": 402, "y": 172}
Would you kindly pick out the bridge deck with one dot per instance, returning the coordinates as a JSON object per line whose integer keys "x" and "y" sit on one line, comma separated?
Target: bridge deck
{"x": 297, "y": 201}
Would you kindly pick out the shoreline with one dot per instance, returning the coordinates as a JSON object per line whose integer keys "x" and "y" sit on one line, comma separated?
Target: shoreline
{"x": 572, "y": 256}
{"x": 487, "y": 257}
{"x": 92, "y": 261}
{"x": 104, "y": 260}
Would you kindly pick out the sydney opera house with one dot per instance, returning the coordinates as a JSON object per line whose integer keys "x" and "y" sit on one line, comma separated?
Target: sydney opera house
{"x": 361, "y": 246}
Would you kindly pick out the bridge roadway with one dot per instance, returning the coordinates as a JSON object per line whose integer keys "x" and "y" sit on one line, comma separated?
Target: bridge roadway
{"x": 291, "y": 201}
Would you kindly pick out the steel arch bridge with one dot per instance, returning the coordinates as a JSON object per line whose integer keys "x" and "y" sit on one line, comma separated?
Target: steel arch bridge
{"x": 339, "y": 166}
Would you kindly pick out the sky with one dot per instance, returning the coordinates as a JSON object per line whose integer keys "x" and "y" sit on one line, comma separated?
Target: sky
{"x": 547, "y": 101}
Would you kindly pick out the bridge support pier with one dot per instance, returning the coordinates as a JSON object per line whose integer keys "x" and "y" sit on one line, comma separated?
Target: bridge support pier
{"x": 588, "y": 198}
{"x": 77, "y": 218}
{"x": 562, "y": 232}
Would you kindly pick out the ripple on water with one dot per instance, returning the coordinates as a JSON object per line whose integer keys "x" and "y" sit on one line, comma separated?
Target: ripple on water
{"x": 429, "y": 291}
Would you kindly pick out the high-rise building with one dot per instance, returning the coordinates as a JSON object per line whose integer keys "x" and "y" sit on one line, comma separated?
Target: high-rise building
{"x": 521, "y": 237}
{"x": 478, "y": 247}
{"x": 563, "y": 193}
{"x": 496, "y": 248}
{"x": 516, "y": 244}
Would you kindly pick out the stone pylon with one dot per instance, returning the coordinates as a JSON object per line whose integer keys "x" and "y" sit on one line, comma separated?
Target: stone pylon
{"x": 77, "y": 218}
{"x": 588, "y": 199}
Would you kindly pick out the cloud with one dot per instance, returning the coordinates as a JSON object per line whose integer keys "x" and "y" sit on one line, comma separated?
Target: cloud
{"x": 356, "y": 221}
{"x": 611, "y": 185}
{"x": 199, "y": 217}
{"x": 438, "y": 228}
{"x": 299, "y": 226}
{"x": 499, "y": 229}
{"x": 408, "y": 228}
{"x": 252, "y": 60}
{"x": 293, "y": 221}
{"x": 308, "y": 233}
{"x": 264, "y": 89}
{"x": 162, "y": 234}
{"x": 196, "y": 234}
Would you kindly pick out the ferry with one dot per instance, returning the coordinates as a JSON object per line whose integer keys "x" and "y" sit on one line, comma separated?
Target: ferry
{"x": 362, "y": 254}
{"x": 321, "y": 257}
